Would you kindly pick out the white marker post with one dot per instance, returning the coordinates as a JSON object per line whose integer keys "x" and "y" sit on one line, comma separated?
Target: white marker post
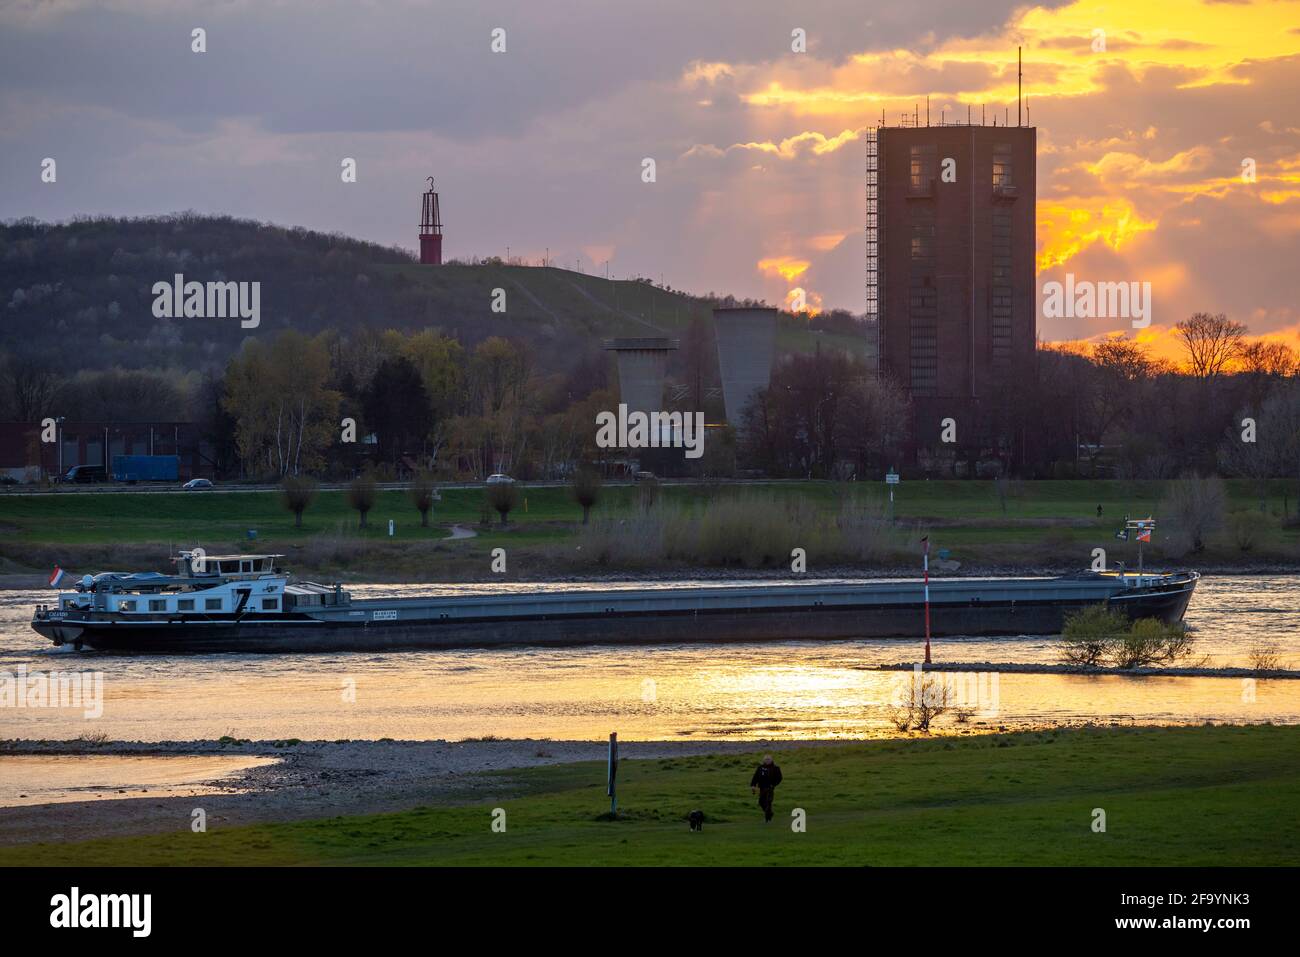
{"x": 891, "y": 479}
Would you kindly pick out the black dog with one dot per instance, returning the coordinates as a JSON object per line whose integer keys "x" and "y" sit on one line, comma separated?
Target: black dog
{"x": 697, "y": 820}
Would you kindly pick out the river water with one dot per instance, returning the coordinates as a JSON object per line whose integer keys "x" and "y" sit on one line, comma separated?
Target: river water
{"x": 785, "y": 690}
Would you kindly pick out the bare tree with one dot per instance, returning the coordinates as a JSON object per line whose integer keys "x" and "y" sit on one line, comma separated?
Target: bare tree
{"x": 586, "y": 490}
{"x": 503, "y": 497}
{"x": 28, "y": 384}
{"x": 423, "y": 493}
{"x": 361, "y": 495}
{"x": 918, "y": 701}
{"x": 1273, "y": 359}
{"x": 297, "y": 493}
{"x": 1212, "y": 342}
{"x": 1246, "y": 453}
{"x": 1194, "y": 506}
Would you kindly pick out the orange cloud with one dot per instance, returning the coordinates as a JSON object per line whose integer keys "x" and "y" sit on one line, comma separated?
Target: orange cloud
{"x": 1067, "y": 228}
{"x": 787, "y": 267}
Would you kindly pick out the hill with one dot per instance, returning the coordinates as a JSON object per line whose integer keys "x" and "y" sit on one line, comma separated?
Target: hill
{"x": 82, "y": 292}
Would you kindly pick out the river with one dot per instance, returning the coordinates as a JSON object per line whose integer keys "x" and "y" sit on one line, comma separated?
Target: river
{"x": 785, "y": 690}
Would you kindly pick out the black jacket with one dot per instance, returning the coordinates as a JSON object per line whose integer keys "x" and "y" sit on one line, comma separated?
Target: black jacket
{"x": 767, "y": 776}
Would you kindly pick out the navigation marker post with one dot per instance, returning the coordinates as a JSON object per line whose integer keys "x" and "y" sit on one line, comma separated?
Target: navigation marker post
{"x": 891, "y": 479}
{"x": 613, "y": 773}
{"x": 926, "y": 561}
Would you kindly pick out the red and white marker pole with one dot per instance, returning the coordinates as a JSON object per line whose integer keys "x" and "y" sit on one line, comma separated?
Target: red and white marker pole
{"x": 926, "y": 560}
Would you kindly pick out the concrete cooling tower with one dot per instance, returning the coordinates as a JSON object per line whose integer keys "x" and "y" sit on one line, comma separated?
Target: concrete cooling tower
{"x": 746, "y": 348}
{"x": 642, "y": 364}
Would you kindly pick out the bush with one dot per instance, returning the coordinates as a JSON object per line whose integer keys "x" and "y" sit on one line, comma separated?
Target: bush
{"x": 1150, "y": 641}
{"x": 1087, "y": 636}
{"x": 1248, "y": 528}
{"x": 1099, "y": 636}
{"x": 1265, "y": 656}
{"x": 747, "y": 530}
{"x": 297, "y": 492}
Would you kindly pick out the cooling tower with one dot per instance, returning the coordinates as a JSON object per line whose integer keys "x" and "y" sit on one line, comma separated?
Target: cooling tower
{"x": 746, "y": 347}
{"x": 641, "y": 367}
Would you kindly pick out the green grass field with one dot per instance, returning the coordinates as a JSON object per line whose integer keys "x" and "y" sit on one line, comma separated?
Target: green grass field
{"x": 1039, "y": 522}
{"x": 1173, "y": 796}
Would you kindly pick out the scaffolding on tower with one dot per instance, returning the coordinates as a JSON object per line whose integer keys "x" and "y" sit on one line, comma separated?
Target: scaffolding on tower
{"x": 875, "y": 217}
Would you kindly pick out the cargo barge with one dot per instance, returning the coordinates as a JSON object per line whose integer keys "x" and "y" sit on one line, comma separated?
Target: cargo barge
{"x": 243, "y": 603}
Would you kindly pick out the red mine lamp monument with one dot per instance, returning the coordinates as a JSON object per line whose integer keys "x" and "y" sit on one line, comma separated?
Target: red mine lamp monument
{"x": 430, "y": 229}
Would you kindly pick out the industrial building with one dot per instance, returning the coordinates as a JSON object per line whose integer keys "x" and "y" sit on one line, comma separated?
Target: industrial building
{"x": 746, "y": 340}
{"x": 950, "y": 273}
{"x": 642, "y": 363}
{"x": 25, "y": 458}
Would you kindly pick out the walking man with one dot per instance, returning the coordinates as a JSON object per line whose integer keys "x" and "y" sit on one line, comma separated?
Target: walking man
{"x": 764, "y": 781}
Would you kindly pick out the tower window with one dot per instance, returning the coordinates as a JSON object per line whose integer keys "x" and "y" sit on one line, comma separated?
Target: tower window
{"x": 1002, "y": 168}
{"x": 922, "y": 170}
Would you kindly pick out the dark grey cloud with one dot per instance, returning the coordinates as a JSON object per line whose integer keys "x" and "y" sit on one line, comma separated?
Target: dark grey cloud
{"x": 342, "y": 66}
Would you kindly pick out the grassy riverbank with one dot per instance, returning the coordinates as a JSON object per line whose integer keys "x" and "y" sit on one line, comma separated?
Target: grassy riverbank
{"x": 1171, "y": 796}
{"x": 1027, "y": 524}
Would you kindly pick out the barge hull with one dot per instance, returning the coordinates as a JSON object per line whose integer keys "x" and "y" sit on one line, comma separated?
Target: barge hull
{"x": 696, "y": 626}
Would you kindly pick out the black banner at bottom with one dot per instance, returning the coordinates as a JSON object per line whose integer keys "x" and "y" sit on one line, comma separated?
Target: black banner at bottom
{"x": 305, "y": 906}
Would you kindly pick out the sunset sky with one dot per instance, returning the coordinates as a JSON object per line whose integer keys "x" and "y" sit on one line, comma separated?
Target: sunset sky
{"x": 759, "y": 150}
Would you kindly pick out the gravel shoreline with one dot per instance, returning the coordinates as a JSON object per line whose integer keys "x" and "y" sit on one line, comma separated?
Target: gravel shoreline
{"x": 316, "y": 779}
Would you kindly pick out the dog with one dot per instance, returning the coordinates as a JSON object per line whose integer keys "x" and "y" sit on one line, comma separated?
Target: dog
{"x": 697, "y": 820}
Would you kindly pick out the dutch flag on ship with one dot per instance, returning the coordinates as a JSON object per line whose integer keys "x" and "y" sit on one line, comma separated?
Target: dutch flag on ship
{"x": 57, "y": 577}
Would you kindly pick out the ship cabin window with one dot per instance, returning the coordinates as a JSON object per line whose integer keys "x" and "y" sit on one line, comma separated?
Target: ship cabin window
{"x": 185, "y": 604}
{"x": 270, "y": 604}
{"x": 246, "y": 566}
{"x": 212, "y": 604}
{"x": 128, "y": 605}
{"x": 157, "y": 604}
{"x": 69, "y": 603}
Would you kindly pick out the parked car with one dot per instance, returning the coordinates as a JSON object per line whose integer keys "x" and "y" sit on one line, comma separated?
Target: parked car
{"x": 197, "y": 484}
{"x": 643, "y": 476}
{"x": 81, "y": 474}
{"x": 499, "y": 479}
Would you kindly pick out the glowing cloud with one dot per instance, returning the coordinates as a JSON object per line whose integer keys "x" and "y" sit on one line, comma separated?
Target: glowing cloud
{"x": 1066, "y": 229}
{"x": 787, "y": 267}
